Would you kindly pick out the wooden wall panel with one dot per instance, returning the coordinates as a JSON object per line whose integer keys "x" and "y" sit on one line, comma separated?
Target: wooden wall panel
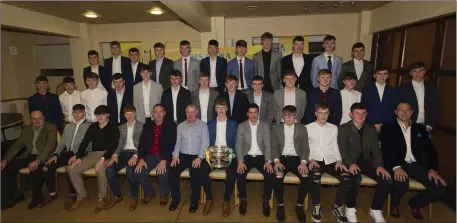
{"x": 448, "y": 59}
{"x": 419, "y": 44}
{"x": 446, "y": 86}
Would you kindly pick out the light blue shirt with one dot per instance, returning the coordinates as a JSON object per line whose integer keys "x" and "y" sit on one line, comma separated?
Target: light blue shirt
{"x": 158, "y": 66}
{"x": 192, "y": 139}
{"x": 232, "y": 99}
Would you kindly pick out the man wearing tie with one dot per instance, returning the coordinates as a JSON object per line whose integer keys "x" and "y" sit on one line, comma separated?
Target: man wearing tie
{"x": 115, "y": 64}
{"x": 216, "y": 66}
{"x": 268, "y": 64}
{"x": 241, "y": 67}
{"x": 95, "y": 67}
{"x": 161, "y": 66}
{"x": 300, "y": 63}
{"x": 132, "y": 75}
{"x": 327, "y": 60}
{"x": 189, "y": 67}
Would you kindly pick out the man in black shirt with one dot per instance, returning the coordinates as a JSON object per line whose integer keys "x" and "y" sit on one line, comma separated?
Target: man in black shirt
{"x": 268, "y": 64}
{"x": 104, "y": 136}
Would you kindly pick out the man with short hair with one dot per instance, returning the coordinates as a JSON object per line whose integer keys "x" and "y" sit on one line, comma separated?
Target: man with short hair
{"x": 161, "y": 66}
{"x": 242, "y": 67}
{"x": 176, "y": 98}
{"x": 268, "y": 64}
{"x": 204, "y": 99}
{"x": 216, "y": 66}
{"x": 188, "y": 66}
{"x": 117, "y": 63}
{"x": 300, "y": 63}
{"x": 263, "y": 99}
{"x": 93, "y": 97}
{"x": 327, "y": 60}
{"x": 146, "y": 94}
{"x": 69, "y": 98}
{"x": 290, "y": 95}
{"x": 237, "y": 102}
{"x": 119, "y": 99}
{"x": 349, "y": 95}
{"x": 132, "y": 74}
{"x": 362, "y": 68}
{"x": 95, "y": 67}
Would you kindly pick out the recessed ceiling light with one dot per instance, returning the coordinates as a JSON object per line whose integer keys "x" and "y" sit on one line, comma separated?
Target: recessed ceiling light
{"x": 156, "y": 11}
{"x": 252, "y": 7}
{"x": 91, "y": 15}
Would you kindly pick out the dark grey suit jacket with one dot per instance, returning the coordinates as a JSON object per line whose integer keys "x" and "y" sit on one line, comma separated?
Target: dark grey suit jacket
{"x": 211, "y": 113}
{"x": 365, "y": 79}
{"x": 165, "y": 70}
{"x": 300, "y": 141}
{"x": 243, "y": 140}
{"x": 268, "y": 106}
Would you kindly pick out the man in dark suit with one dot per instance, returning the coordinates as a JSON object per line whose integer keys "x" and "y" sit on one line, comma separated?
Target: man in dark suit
{"x": 362, "y": 68}
{"x": 175, "y": 99}
{"x": 242, "y": 67}
{"x": 204, "y": 99}
{"x": 46, "y": 102}
{"x": 264, "y": 100}
{"x": 132, "y": 74}
{"x": 118, "y": 99}
{"x": 189, "y": 66}
{"x": 216, "y": 66}
{"x": 300, "y": 63}
{"x": 359, "y": 148}
{"x": 237, "y": 102}
{"x": 424, "y": 98}
{"x": 409, "y": 153}
{"x": 268, "y": 64}
{"x": 161, "y": 66}
{"x": 95, "y": 67}
{"x": 115, "y": 64}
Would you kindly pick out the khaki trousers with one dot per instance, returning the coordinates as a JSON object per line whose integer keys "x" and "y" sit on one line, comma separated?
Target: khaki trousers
{"x": 88, "y": 162}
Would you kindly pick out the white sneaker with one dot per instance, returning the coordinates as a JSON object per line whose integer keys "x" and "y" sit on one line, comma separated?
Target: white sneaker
{"x": 377, "y": 216}
{"x": 350, "y": 214}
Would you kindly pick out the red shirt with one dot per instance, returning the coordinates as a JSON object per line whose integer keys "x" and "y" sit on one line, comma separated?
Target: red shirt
{"x": 155, "y": 149}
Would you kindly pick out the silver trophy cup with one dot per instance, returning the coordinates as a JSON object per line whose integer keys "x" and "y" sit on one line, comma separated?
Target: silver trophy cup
{"x": 219, "y": 157}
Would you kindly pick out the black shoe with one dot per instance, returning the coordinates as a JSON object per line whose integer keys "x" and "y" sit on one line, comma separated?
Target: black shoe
{"x": 33, "y": 204}
{"x": 243, "y": 206}
{"x": 301, "y": 216}
{"x": 193, "y": 208}
{"x": 18, "y": 199}
{"x": 280, "y": 213}
{"x": 317, "y": 213}
{"x": 266, "y": 208}
{"x": 339, "y": 214}
{"x": 173, "y": 205}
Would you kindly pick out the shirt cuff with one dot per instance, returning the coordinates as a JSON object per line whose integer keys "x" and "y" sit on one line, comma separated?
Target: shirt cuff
{"x": 276, "y": 160}
{"x": 428, "y": 126}
{"x": 396, "y": 167}
{"x": 135, "y": 155}
{"x": 304, "y": 161}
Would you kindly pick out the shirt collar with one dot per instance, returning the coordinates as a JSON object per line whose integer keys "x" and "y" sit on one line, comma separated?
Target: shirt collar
{"x": 417, "y": 84}
{"x": 35, "y": 129}
{"x": 80, "y": 122}
{"x": 173, "y": 89}
{"x": 403, "y": 125}
{"x": 134, "y": 122}
{"x": 224, "y": 121}
{"x": 187, "y": 57}
{"x": 203, "y": 91}
{"x": 358, "y": 61}
{"x": 134, "y": 63}
{"x": 326, "y": 55}
{"x": 379, "y": 85}
{"x": 257, "y": 124}
{"x": 240, "y": 58}
{"x": 159, "y": 59}
{"x": 122, "y": 91}
{"x": 317, "y": 125}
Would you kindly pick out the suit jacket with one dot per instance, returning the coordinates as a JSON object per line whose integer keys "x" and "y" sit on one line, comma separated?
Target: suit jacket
{"x": 366, "y": 78}
{"x": 351, "y": 148}
{"x": 240, "y": 107}
{"x": 182, "y": 101}
{"x": 211, "y": 111}
{"x": 45, "y": 143}
{"x": 268, "y": 106}
{"x": 304, "y": 78}
{"x": 108, "y": 63}
{"x": 155, "y": 94}
{"x": 221, "y": 70}
{"x": 50, "y": 108}
{"x": 230, "y": 133}
{"x": 137, "y": 130}
{"x": 127, "y": 99}
{"x": 275, "y": 67}
{"x": 334, "y": 101}
{"x": 300, "y": 141}
{"x": 300, "y": 103}
{"x": 431, "y": 102}
{"x": 167, "y": 140}
{"x": 67, "y": 137}
{"x": 193, "y": 74}
{"x": 248, "y": 67}
{"x": 128, "y": 76}
{"x": 319, "y": 63}
{"x": 104, "y": 78}
{"x": 165, "y": 70}
{"x": 393, "y": 146}
{"x": 380, "y": 112}
{"x": 243, "y": 140}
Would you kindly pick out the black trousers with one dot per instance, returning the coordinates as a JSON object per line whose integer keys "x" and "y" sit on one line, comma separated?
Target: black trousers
{"x": 50, "y": 175}
{"x": 231, "y": 179}
{"x": 198, "y": 177}
{"x": 382, "y": 189}
{"x": 421, "y": 200}
{"x": 255, "y": 162}
{"x": 343, "y": 177}
{"x": 291, "y": 164}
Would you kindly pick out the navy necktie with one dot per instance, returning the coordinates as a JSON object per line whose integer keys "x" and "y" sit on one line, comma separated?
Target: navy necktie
{"x": 329, "y": 63}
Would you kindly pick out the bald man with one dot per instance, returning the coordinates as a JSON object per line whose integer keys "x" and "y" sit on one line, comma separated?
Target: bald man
{"x": 39, "y": 140}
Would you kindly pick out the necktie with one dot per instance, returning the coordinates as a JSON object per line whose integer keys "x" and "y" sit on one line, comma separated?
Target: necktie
{"x": 241, "y": 74}
{"x": 329, "y": 63}
{"x": 185, "y": 72}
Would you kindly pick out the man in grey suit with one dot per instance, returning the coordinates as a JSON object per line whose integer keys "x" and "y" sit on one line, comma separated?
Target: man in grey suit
{"x": 268, "y": 64}
{"x": 253, "y": 150}
{"x": 327, "y": 60}
{"x": 189, "y": 67}
{"x": 359, "y": 66}
{"x": 290, "y": 95}
{"x": 204, "y": 99}
{"x": 161, "y": 66}
{"x": 126, "y": 155}
{"x": 72, "y": 136}
{"x": 264, "y": 100}
{"x": 144, "y": 105}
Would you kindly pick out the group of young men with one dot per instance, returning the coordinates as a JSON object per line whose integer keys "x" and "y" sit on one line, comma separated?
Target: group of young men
{"x": 291, "y": 114}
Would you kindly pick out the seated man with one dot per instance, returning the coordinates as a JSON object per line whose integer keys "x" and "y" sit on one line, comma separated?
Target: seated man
{"x": 39, "y": 140}
{"x": 104, "y": 136}
{"x": 72, "y": 136}
{"x": 126, "y": 154}
{"x": 409, "y": 153}
{"x": 359, "y": 147}
{"x": 157, "y": 142}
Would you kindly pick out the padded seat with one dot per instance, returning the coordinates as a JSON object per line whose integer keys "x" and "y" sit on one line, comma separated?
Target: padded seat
{"x": 61, "y": 170}
{"x": 218, "y": 174}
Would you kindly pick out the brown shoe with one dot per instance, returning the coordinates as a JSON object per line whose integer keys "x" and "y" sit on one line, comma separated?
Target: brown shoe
{"x": 163, "y": 200}
{"x": 225, "y": 209}
{"x": 49, "y": 199}
{"x": 102, "y": 203}
{"x": 113, "y": 202}
{"x": 146, "y": 200}
{"x": 78, "y": 203}
{"x": 207, "y": 208}
{"x": 133, "y": 203}
{"x": 69, "y": 201}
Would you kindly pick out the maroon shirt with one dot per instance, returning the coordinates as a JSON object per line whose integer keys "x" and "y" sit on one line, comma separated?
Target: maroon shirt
{"x": 323, "y": 96}
{"x": 155, "y": 149}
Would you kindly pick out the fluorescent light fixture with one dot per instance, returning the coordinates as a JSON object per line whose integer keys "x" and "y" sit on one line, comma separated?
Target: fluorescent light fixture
{"x": 91, "y": 15}
{"x": 252, "y": 7}
{"x": 156, "y": 11}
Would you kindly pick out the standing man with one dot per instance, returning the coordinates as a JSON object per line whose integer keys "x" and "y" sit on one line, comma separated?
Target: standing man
{"x": 188, "y": 66}
{"x": 204, "y": 99}
{"x": 268, "y": 64}
{"x": 362, "y": 68}
{"x": 237, "y": 101}
{"x": 146, "y": 94}
{"x": 241, "y": 67}
{"x": 300, "y": 63}
{"x": 133, "y": 71}
{"x": 95, "y": 67}
{"x": 290, "y": 95}
{"x": 161, "y": 66}
{"x": 253, "y": 150}
{"x": 118, "y": 100}
{"x": 93, "y": 97}
{"x": 175, "y": 99}
{"x": 46, "y": 102}
{"x": 115, "y": 64}
{"x": 216, "y": 66}
{"x": 263, "y": 99}
{"x": 69, "y": 98}
{"x": 327, "y": 60}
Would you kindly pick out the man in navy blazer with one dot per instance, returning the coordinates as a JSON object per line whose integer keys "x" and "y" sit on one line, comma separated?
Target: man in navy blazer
{"x": 327, "y": 60}
{"x": 228, "y": 139}
{"x": 115, "y": 64}
{"x": 242, "y": 67}
{"x": 132, "y": 74}
{"x": 297, "y": 59}
{"x": 119, "y": 94}
{"x": 380, "y": 100}
{"x": 217, "y": 74}
{"x": 95, "y": 67}
{"x": 237, "y": 102}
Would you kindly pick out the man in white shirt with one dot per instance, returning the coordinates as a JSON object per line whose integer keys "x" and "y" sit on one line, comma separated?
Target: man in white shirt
{"x": 362, "y": 68}
{"x": 189, "y": 67}
{"x": 349, "y": 95}
{"x": 324, "y": 156}
{"x": 146, "y": 94}
{"x": 117, "y": 63}
{"x": 133, "y": 72}
{"x": 69, "y": 98}
{"x": 118, "y": 99}
{"x": 263, "y": 99}
{"x": 290, "y": 95}
{"x": 216, "y": 66}
{"x": 175, "y": 99}
{"x": 126, "y": 154}
{"x": 92, "y": 97}
{"x": 290, "y": 151}
{"x": 204, "y": 99}
{"x": 95, "y": 67}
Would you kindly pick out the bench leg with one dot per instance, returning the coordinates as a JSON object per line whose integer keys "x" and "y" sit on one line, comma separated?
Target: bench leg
{"x": 140, "y": 192}
{"x": 306, "y": 203}
{"x": 236, "y": 199}
{"x": 57, "y": 183}
{"x": 430, "y": 212}
{"x": 388, "y": 204}
{"x": 202, "y": 196}
{"x": 271, "y": 199}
